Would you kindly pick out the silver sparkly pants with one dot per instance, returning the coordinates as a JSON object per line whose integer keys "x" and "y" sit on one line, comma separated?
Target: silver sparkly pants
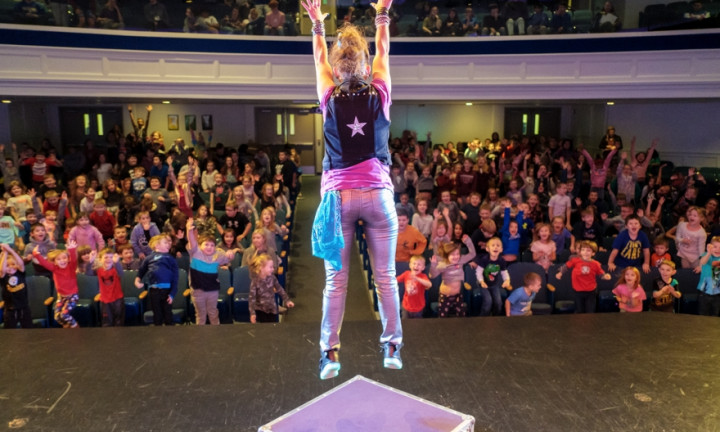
{"x": 376, "y": 208}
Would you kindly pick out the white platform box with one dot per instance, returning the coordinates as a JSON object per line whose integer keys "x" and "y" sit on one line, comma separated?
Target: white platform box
{"x": 363, "y": 405}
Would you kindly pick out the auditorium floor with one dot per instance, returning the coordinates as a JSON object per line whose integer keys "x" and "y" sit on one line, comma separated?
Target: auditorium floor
{"x": 602, "y": 372}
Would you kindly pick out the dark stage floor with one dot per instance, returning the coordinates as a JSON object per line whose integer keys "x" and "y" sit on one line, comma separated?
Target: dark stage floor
{"x": 603, "y": 372}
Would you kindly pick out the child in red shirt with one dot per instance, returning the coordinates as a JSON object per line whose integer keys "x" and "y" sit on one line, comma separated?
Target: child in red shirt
{"x": 102, "y": 219}
{"x": 584, "y": 271}
{"x": 63, "y": 265}
{"x": 660, "y": 251}
{"x": 112, "y": 300}
{"x": 416, "y": 282}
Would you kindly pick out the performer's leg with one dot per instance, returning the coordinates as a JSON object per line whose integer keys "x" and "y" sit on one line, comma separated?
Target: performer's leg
{"x": 336, "y": 280}
{"x": 380, "y": 222}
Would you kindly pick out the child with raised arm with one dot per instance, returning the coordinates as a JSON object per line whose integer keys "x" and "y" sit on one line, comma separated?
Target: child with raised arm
{"x": 598, "y": 175}
{"x": 492, "y": 275}
{"x": 15, "y": 304}
{"x": 263, "y": 287}
{"x": 162, "y": 271}
{"x": 449, "y": 265}
{"x": 112, "y": 300}
{"x": 628, "y": 292}
{"x": 63, "y": 265}
{"x": 665, "y": 289}
{"x": 205, "y": 261}
{"x": 519, "y": 302}
{"x": 510, "y": 233}
{"x": 709, "y": 285}
{"x": 416, "y": 282}
{"x": 584, "y": 272}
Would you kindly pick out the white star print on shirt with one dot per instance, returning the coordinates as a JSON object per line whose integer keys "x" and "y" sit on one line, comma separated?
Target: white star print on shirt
{"x": 356, "y": 127}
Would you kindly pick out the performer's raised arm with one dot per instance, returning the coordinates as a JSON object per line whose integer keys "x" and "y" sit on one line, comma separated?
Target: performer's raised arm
{"x": 323, "y": 70}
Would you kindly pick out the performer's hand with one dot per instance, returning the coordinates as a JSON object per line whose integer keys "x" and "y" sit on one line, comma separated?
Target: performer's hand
{"x": 313, "y": 9}
{"x": 382, "y": 4}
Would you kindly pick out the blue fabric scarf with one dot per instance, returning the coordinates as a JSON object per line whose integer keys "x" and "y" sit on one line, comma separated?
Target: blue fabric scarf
{"x": 327, "y": 235}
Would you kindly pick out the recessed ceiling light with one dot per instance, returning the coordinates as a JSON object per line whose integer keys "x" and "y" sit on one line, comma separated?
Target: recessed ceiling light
{"x": 6, "y": 101}
{"x": 166, "y": 102}
{"x": 468, "y": 103}
{"x": 611, "y": 103}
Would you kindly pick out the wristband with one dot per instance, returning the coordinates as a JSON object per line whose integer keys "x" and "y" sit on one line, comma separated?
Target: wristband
{"x": 318, "y": 28}
{"x": 381, "y": 11}
{"x": 382, "y": 19}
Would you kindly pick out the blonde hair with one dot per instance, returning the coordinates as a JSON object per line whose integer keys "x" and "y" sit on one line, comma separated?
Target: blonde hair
{"x": 259, "y": 224}
{"x": 349, "y": 55}
{"x": 55, "y": 253}
{"x": 257, "y": 263}
{"x": 154, "y": 241}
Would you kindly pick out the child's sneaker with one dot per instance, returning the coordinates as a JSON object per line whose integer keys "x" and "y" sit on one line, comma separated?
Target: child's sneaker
{"x": 392, "y": 358}
{"x": 329, "y": 364}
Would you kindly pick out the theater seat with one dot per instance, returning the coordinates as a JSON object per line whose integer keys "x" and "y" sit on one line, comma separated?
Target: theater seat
{"x": 40, "y": 298}
{"x": 241, "y": 284}
{"x": 86, "y": 311}
{"x": 133, "y": 302}
{"x": 179, "y": 304}
{"x": 687, "y": 284}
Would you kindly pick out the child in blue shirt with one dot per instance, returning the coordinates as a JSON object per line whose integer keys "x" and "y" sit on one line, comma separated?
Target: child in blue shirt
{"x": 709, "y": 285}
{"x": 560, "y": 235}
{"x": 139, "y": 182}
{"x": 510, "y": 234}
{"x": 160, "y": 271}
{"x": 519, "y": 302}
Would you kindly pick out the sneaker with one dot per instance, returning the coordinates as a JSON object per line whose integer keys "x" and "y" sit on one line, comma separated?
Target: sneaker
{"x": 329, "y": 364}
{"x": 392, "y": 358}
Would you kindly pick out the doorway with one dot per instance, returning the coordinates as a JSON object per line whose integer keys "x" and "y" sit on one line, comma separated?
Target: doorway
{"x": 277, "y": 127}
{"x": 78, "y": 124}
{"x": 532, "y": 121}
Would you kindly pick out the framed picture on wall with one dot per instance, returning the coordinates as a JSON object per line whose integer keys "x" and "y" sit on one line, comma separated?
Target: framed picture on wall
{"x": 206, "y": 122}
{"x": 190, "y": 122}
{"x": 173, "y": 122}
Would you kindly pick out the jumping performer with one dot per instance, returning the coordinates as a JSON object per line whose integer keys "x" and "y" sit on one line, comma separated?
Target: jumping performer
{"x": 356, "y": 185}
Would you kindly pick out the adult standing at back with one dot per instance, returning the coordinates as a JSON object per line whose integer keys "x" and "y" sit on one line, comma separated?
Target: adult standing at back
{"x": 356, "y": 177}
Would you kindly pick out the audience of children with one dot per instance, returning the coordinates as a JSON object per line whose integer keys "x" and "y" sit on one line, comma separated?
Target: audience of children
{"x": 575, "y": 201}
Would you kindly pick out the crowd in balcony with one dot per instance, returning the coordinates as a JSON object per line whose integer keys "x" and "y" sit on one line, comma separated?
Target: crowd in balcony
{"x": 423, "y": 18}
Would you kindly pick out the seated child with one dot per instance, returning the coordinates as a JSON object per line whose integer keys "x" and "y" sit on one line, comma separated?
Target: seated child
{"x": 560, "y": 234}
{"x": 660, "y": 251}
{"x": 416, "y": 282}
{"x": 86, "y": 260}
{"x": 519, "y": 302}
{"x": 127, "y": 258}
{"x": 85, "y": 234}
{"x": 665, "y": 289}
{"x": 120, "y": 238}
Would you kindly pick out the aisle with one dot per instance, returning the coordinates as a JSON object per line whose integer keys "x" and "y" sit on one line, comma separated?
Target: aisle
{"x": 306, "y": 277}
